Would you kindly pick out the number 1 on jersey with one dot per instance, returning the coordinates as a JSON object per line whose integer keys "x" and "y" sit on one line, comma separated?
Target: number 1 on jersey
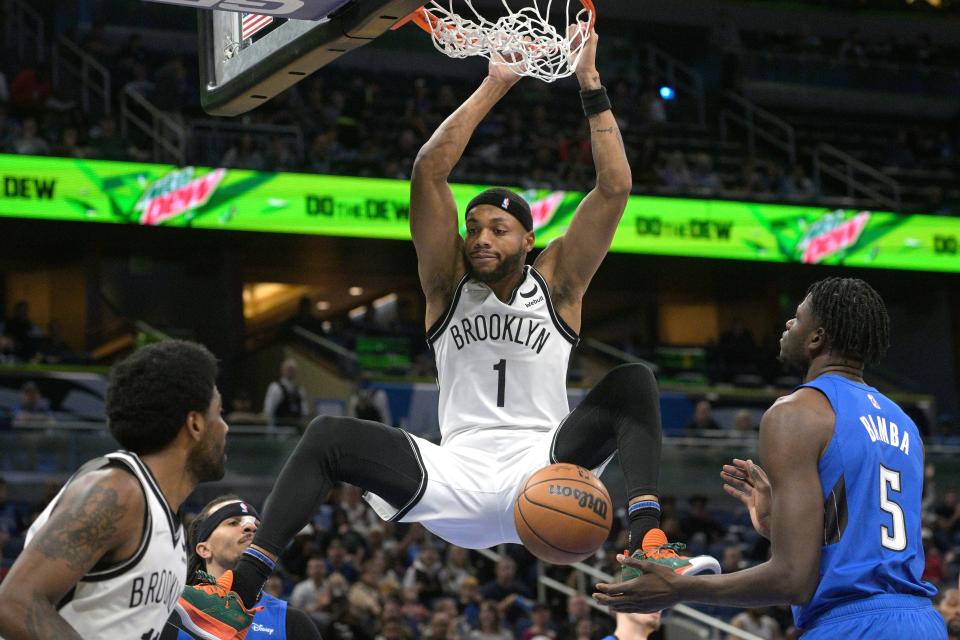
{"x": 501, "y": 369}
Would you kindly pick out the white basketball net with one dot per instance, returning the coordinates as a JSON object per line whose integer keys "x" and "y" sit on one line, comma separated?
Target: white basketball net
{"x": 523, "y": 40}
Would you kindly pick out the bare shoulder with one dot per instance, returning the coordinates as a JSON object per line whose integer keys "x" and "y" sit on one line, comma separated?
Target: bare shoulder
{"x": 439, "y": 287}
{"x": 113, "y": 480}
{"x": 804, "y": 402}
{"x": 547, "y": 259}
{"x": 549, "y": 265}
{"x": 805, "y": 414}
{"x": 100, "y": 511}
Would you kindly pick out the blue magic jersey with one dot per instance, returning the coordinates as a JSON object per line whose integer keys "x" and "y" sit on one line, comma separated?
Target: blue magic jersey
{"x": 872, "y": 479}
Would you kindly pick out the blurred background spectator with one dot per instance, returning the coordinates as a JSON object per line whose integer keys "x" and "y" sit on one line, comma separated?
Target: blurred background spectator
{"x": 369, "y": 402}
{"x": 33, "y": 409}
{"x": 702, "y": 419}
{"x": 286, "y": 400}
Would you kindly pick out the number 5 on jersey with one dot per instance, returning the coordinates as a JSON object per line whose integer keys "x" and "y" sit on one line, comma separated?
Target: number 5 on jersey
{"x": 895, "y": 539}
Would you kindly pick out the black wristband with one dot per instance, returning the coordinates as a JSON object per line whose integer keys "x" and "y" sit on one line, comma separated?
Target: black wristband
{"x": 594, "y": 101}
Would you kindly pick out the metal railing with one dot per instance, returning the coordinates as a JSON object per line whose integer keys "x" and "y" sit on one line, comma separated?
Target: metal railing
{"x": 41, "y": 452}
{"x": 326, "y": 344}
{"x": 91, "y": 77}
{"x": 679, "y": 76}
{"x": 23, "y": 30}
{"x": 211, "y": 140}
{"x": 856, "y": 176}
{"x": 757, "y": 122}
{"x": 696, "y": 622}
{"x": 166, "y": 135}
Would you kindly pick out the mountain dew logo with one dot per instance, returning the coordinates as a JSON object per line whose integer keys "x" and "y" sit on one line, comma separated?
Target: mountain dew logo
{"x": 831, "y": 234}
{"x": 176, "y": 193}
{"x": 545, "y": 208}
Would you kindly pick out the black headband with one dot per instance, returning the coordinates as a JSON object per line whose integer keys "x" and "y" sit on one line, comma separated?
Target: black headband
{"x": 213, "y": 520}
{"x": 508, "y": 201}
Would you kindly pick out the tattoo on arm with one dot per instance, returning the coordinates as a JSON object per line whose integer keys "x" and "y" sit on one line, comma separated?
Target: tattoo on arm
{"x": 43, "y": 622}
{"x": 76, "y": 535}
{"x": 613, "y": 130}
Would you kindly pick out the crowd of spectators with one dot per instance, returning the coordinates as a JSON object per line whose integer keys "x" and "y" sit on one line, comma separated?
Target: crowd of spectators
{"x": 759, "y": 177}
{"x": 860, "y": 60}
{"x": 855, "y": 46}
{"x": 22, "y": 340}
{"x": 358, "y": 577}
{"x": 936, "y": 7}
{"x": 372, "y": 124}
{"x": 352, "y": 137}
{"x": 36, "y": 121}
{"x": 33, "y": 410}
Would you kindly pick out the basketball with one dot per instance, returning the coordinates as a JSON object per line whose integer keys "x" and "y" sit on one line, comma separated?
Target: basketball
{"x": 563, "y": 513}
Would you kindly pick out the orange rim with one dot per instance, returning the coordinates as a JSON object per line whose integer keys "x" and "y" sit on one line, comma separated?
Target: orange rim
{"x": 588, "y": 5}
{"x": 420, "y": 17}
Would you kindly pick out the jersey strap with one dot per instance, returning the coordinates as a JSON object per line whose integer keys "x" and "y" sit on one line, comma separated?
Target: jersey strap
{"x": 101, "y": 572}
{"x": 564, "y": 329}
{"x": 172, "y": 519}
{"x": 441, "y": 324}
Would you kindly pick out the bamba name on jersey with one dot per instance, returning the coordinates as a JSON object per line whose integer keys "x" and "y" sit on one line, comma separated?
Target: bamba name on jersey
{"x": 879, "y": 430}
{"x": 505, "y": 327}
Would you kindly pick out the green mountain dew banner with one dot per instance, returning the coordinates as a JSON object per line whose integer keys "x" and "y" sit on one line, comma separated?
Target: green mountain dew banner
{"x": 233, "y": 199}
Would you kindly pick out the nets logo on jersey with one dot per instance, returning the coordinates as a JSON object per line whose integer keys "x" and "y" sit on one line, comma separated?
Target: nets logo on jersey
{"x": 176, "y": 193}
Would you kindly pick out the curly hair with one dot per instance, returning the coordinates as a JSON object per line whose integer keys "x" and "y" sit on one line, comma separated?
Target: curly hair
{"x": 853, "y": 316}
{"x": 151, "y": 393}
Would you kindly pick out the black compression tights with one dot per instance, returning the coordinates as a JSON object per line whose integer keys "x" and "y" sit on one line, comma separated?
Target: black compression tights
{"x": 620, "y": 414}
{"x": 367, "y": 454}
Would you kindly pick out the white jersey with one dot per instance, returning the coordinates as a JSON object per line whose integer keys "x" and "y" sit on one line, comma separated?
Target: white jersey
{"x": 131, "y": 600}
{"x": 501, "y": 364}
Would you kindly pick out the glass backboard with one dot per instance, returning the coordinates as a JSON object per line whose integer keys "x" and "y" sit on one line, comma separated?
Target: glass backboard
{"x": 237, "y": 74}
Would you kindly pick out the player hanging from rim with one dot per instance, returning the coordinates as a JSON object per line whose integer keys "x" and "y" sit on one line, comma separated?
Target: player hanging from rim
{"x": 107, "y": 557}
{"x": 842, "y": 503}
{"x": 502, "y": 334}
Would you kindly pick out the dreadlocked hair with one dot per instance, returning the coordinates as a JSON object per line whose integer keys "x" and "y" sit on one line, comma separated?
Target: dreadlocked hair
{"x": 853, "y": 316}
{"x": 194, "y": 561}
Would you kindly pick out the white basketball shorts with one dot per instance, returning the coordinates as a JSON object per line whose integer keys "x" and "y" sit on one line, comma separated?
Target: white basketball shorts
{"x": 471, "y": 483}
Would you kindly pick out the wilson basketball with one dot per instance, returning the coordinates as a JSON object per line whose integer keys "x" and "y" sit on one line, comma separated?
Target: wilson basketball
{"x": 563, "y": 513}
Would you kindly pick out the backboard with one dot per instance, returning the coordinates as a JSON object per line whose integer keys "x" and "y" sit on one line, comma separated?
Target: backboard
{"x": 237, "y": 74}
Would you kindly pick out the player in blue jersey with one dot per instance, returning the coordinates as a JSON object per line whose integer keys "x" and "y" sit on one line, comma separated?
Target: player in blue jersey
{"x": 842, "y": 504}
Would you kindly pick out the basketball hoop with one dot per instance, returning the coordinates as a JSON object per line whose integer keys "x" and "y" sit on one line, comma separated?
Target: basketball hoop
{"x": 524, "y": 40}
